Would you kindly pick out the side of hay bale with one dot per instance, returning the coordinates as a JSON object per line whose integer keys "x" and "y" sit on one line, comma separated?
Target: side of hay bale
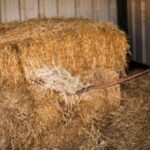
{"x": 29, "y": 125}
{"x": 81, "y": 47}
{"x": 98, "y": 103}
{"x": 52, "y": 124}
{"x": 10, "y": 68}
{"x": 73, "y": 44}
{"x": 94, "y": 52}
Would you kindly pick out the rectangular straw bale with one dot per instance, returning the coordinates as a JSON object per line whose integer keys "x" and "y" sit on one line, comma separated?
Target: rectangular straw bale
{"x": 47, "y": 121}
{"x": 74, "y": 44}
{"x": 79, "y": 45}
{"x": 93, "y": 51}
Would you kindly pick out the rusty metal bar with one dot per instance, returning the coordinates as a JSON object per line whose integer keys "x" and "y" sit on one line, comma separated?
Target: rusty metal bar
{"x": 110, "y": 84}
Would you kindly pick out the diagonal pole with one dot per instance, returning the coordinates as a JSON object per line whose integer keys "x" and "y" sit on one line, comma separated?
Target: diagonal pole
{"x": 110, "y": 84}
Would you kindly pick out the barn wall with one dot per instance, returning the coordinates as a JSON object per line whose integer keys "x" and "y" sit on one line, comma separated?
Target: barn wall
{"x": 139, "y": 29}
{"x": 12, "y": 10}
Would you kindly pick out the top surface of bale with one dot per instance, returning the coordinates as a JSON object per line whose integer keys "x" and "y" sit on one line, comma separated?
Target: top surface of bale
{"x": 87, "y": 44}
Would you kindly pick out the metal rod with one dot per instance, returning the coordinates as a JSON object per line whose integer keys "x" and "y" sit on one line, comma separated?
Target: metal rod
{"x": 110, "y": 84}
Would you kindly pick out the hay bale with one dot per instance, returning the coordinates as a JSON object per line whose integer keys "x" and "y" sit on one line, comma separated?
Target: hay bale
{"x": 49, "y": 122}
{"x": 76, "y": 47}
{"x": 89, "y": 52}
{"x": 74, "y": 44}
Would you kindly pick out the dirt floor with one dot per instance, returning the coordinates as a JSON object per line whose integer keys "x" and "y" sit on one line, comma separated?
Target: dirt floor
{"x": 128, "y": 128}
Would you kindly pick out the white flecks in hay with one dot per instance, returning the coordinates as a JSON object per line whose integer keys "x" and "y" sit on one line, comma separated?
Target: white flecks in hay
{"x": 58, "y": 80}
{"x": 51, "y": 122}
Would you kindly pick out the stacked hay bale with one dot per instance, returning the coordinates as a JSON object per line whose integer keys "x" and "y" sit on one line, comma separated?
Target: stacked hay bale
{"x": 90, "y": 52}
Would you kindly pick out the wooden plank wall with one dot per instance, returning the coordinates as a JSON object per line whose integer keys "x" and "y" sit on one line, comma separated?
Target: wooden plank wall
{"x": 139, "y": 29}
{"x": 12, "y": 10}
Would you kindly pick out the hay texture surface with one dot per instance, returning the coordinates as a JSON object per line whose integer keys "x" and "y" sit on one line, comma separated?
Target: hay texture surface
{"x": 42, "y": 65}
{"x": 73, "y": 44}
{"x": 128, "y": 128}
{"x": 48, "y": 122}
